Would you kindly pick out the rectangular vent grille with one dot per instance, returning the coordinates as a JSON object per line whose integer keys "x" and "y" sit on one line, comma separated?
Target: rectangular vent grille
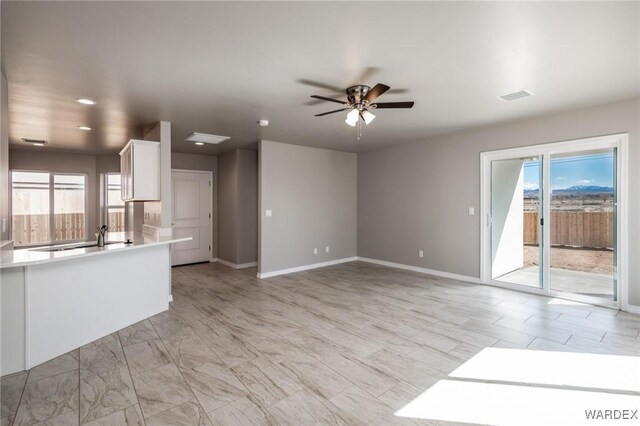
{"x": 206, "y": 138}
{"x": 516, "y": 95}
{"x": 35, "y": 141}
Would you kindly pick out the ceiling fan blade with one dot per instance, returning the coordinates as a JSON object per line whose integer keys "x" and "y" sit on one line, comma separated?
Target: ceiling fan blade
{"x": 328, "y": 99}
{"x": 377, "y": 90}
{"x": 320, "y": 85}
{"x": 385, "y": 105}
{"x": 331, "y": 112}
{"x": 366, "y": 74}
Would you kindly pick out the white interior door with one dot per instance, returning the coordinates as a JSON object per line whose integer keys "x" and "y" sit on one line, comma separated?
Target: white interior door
{"x": 191, "y": 216}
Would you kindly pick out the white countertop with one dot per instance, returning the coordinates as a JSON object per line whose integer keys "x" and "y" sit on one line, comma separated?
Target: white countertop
{"x": 31, "y": 256}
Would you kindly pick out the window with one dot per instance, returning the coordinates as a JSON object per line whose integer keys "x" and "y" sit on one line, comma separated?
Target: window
{"x": 113, "y": 204}
{"x": 48, "y": 207}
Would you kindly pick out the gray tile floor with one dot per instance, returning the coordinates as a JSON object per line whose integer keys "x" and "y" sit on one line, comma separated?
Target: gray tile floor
{"x": 348, "y": 344}
{"x": 577, "y": 282}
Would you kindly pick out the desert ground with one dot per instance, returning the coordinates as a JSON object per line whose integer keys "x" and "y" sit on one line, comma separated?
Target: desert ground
{"x": 574, "y": 259}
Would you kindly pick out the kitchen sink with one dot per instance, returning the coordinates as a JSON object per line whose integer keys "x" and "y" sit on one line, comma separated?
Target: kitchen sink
{"x": 66, "y": 247}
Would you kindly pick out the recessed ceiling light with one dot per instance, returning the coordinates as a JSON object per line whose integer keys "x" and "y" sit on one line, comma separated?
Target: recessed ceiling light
{"x": 86, "y": 101}
{"x": 199, "y": 143}
{"x": 206, "y": 138}
{"x": 84, "y": 128}
{"x": 524, "y": 93}
{"x": 35, "y": 142}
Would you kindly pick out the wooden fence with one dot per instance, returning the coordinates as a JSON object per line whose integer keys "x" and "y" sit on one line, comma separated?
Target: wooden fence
{"x": 570, "y": 228}
{"x": 34, "y": 229}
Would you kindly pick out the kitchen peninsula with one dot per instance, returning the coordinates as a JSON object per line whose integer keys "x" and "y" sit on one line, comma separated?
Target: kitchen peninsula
{"x": 58, "y": 298}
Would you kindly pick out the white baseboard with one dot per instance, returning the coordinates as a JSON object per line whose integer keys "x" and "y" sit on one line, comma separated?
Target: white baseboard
{"x": 442, "y": 274}
{"x": 633, "y": 309}
{"x": 235, "y": 265}
{"x": 305, "y": 267}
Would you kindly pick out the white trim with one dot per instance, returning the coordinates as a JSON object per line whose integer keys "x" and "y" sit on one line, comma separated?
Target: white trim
{"x": 213, "y": 260}
{"x": 171, "y": 298}
{"x": 619, "y": 141}
{"x": 305, "y": 267}
{"x": 634, "y": 309}
{"x": 235, "y": 265}
{"x": 442, "y": 274}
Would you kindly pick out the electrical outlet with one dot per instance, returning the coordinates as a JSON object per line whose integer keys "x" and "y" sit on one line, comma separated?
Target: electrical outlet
{"x": 472, "y": 211}
{"x": 268, "y": 213}
{"x": 420, "y": 253}
{"x": 327, "y": 249}
{"x": 315, "y": 251}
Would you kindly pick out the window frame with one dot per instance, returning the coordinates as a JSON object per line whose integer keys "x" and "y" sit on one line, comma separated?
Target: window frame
{"x": 104, "y": 197}
{"x": 52, "y": 208}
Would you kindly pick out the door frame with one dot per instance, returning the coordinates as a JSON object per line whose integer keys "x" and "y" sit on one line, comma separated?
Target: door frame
{"x": 213, "y": 219}
{"x": 620, "y": 142}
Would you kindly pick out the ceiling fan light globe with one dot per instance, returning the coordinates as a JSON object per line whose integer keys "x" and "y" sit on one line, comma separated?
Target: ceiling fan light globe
{"x": 367, "y": 117}
{"x": 352, "y": 117}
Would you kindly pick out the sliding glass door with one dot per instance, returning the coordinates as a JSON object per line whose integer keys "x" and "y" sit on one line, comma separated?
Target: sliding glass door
{"x": 582, "y": 221}
{"x": 552, "y": 219}
{"x": 516, "y": 203}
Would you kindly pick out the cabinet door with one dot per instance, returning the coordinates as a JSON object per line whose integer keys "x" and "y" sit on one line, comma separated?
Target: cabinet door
{"x": 125, "y": 170}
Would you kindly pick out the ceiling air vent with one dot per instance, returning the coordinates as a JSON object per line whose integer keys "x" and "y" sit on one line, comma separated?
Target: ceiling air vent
{"x": 206, "y": 138}
{"x": 38, "y": 142}
{"x": 516, "y": 95}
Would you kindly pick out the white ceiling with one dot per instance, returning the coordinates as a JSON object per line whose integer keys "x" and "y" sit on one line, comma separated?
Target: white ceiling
{"x": 220, "y": 67}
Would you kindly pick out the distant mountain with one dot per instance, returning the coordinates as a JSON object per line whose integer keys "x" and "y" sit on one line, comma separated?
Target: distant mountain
{"x": 573, "y": 190}
{"x": 587, "y": 188}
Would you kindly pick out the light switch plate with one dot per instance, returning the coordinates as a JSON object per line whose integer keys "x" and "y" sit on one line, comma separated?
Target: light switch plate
{"x": 420, "y": 253}
{"x": 472, "y": 211}
{"x": 315, "y": 251}
{"x": 268, "y": 213}
{"x": 326, "y": 249}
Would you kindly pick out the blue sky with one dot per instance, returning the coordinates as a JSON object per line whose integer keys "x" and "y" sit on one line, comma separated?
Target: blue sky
{"x": 594, "y": 169}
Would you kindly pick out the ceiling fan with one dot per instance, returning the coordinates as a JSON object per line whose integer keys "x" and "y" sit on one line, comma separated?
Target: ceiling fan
{"x": 361, "y": 102}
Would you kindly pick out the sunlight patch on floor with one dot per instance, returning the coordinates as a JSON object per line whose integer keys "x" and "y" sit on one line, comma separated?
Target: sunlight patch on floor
{"x": 497, "y": 404}
{"x": 556, "y": 301}
{"x": 534, "y": 387}
{"x": 585, "y": 370}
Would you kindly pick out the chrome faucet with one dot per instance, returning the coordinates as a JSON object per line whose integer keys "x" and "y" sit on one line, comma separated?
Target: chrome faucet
{"x": 101, "y": 232}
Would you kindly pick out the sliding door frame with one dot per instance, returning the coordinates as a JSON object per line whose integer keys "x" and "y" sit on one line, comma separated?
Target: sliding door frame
{"x": 618, "y": 141}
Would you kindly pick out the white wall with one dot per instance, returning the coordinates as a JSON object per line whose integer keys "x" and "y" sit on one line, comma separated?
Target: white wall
{"x": 312, "y": 195}
{"x": 238, "y": 207}
{"x": 507, "y": 203}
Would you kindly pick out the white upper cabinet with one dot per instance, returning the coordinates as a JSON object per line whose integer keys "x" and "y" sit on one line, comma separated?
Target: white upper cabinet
{"x": 140, "y": 170}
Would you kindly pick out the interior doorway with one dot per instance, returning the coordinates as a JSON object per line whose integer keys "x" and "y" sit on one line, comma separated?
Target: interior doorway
{"x": 191, "y": 216}
{"x": 555, "y": 219}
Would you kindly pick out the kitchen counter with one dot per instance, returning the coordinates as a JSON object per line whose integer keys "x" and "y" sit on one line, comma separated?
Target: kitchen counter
{"x": 32, "y": 256}
{"x": 55, "y": 301}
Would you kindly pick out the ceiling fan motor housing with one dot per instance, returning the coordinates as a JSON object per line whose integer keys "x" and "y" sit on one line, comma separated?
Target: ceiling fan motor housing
{"x": 356, "y": 94}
